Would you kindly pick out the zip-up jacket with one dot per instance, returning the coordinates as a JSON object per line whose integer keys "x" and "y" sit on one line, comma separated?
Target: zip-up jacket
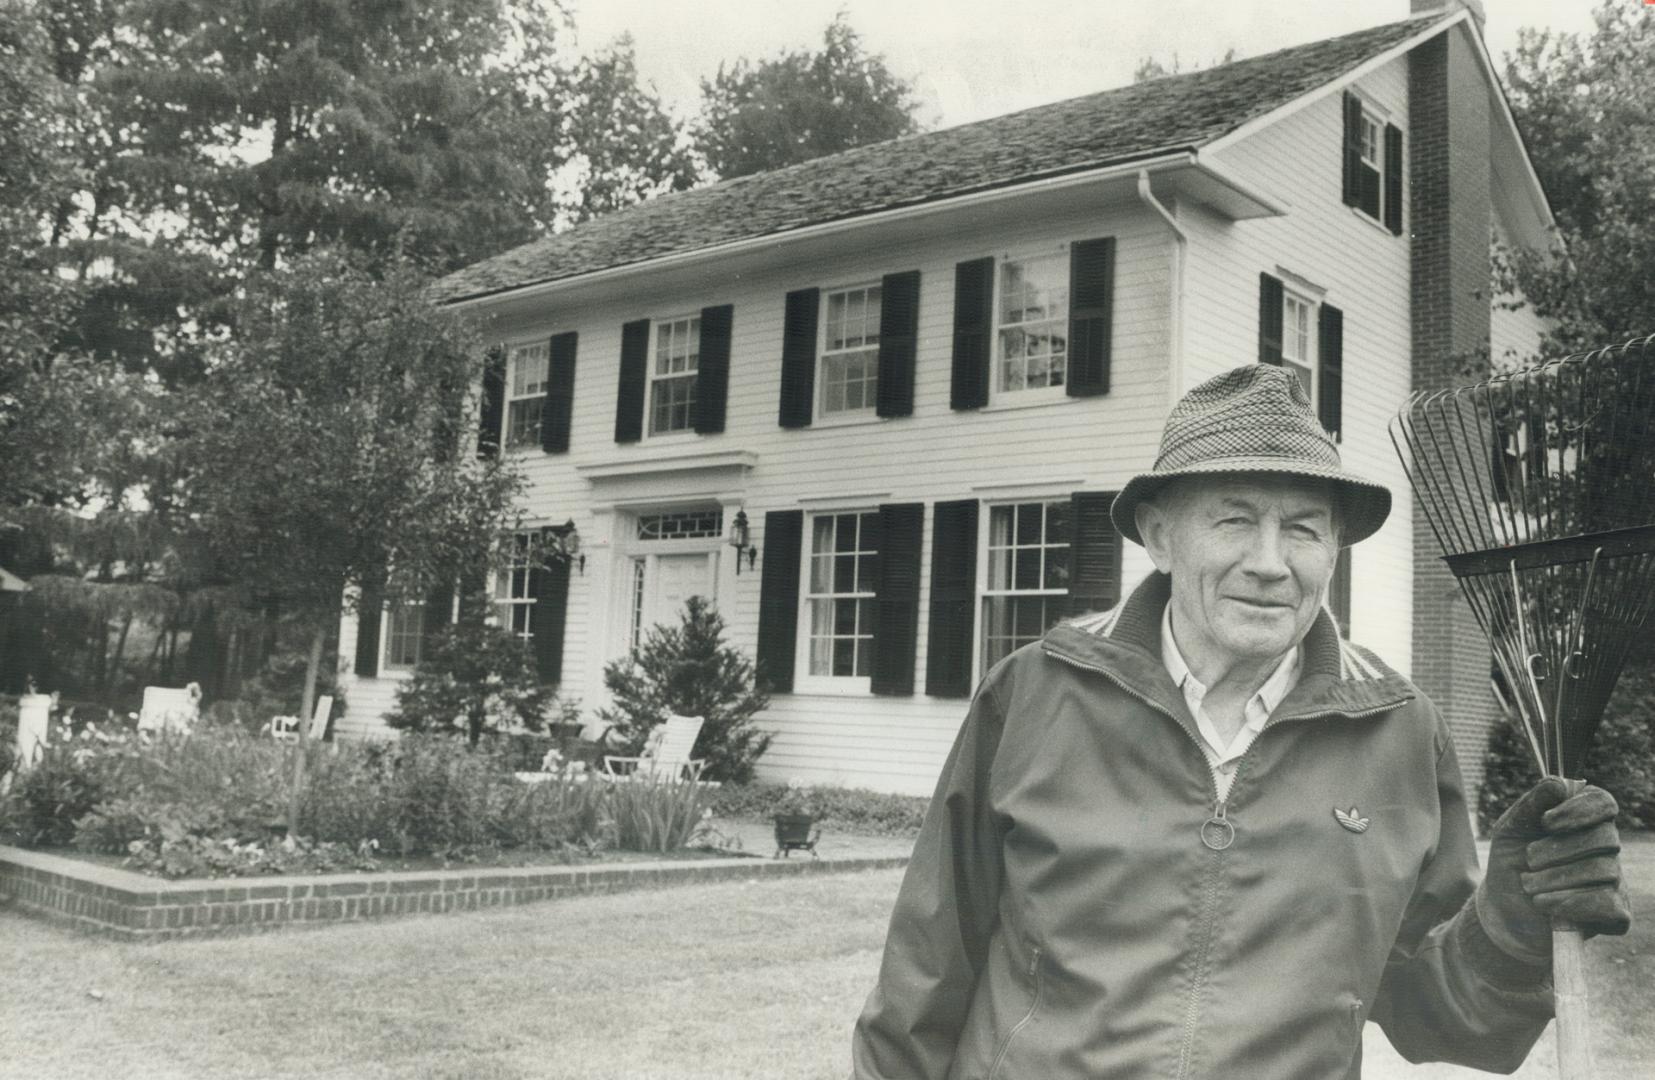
{"x": 1080, "y": 903}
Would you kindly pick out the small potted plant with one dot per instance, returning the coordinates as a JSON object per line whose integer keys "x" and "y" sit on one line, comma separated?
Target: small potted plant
{"x": 795, "y": 819}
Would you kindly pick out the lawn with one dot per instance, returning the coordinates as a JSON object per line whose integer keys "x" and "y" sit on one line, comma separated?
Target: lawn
{"x": 737, "y": 980}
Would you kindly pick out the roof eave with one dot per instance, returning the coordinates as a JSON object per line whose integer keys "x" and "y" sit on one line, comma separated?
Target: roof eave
{"x": 1181, "y": 168}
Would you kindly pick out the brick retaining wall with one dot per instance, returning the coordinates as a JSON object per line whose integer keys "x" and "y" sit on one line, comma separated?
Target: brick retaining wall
{"x": 134, "y": 907}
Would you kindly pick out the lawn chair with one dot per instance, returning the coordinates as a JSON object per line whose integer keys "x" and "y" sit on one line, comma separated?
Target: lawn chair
{"x": 667, "y": 753}
{"x": 167, "y": 708}
{"x": 286, "y": 728}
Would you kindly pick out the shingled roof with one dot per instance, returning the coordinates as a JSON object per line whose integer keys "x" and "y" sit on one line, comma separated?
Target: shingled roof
{"x": 1130, "y": 123}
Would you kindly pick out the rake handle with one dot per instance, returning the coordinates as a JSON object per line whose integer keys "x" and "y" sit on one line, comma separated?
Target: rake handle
{"x": 1574, "y": 1044}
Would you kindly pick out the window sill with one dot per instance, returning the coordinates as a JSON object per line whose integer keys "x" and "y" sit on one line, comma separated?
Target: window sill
{"x": 669, "y": 438}
{"x": 1028, "y": 399}
{"x": 860, "y": 418}
{"x": 1374, "y": 223}
{"x": 817, "y": 687}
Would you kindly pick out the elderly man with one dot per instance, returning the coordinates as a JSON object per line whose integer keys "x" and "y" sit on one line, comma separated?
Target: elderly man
{"x": 1202, "y": 836}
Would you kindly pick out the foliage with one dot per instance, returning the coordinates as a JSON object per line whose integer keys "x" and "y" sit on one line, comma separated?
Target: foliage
{"x": 655, "y": 813}
{"x": 472, "y": 678}
{"x": 69, "y": 779}
{"x": 1150, "y": 68}
{"x": 191, "y": 855}
{"x": 1621, "y": 760}
{"x": 801, "y": 105}
{"x": 1588, "y": 117}
{"x": 687, "y": 670}
{"x": 849, "y": 809}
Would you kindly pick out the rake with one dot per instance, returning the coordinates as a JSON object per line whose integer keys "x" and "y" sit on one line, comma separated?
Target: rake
{"x": 1540, "y": 487}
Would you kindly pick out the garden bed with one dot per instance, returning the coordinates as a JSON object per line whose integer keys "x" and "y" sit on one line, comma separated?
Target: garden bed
{"x": 122, "y": 904}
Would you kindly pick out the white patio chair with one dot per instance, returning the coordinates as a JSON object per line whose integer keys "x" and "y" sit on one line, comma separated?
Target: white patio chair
{"x": 667, "y": 753}
{"x": 286, "y": 728}
{"x": 168, "y": 708}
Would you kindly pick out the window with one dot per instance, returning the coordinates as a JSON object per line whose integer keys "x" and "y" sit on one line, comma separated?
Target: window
{"x": 682, "y": 525}
{"x": 1028, "y": 575}
{"x": 1031, "y": 320}
{"x": 634, "y": 635}
{"x": 526, "y": 394}
{"x": 404, "y": 624}
{"x": 672, "y": 376}
{"x": 839, "y": 596}
{"x": 1298, "y": 339}
{"x": 514, "y": 589}
{"x": 850, "y": 350}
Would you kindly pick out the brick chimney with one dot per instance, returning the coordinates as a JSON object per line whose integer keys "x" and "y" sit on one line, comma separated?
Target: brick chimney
{"x": 1449, "y": 215}
{"x": 1432, "y": 7}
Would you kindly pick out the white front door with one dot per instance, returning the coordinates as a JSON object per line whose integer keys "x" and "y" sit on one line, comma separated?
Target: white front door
{"x": 662, "y": 583}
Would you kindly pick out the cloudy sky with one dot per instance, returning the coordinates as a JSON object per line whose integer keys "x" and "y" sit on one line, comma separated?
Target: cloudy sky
{"x": 971, "y": 59}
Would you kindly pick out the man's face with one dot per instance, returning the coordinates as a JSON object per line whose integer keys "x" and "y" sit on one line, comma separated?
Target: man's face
{"x": 1250, "y": 559}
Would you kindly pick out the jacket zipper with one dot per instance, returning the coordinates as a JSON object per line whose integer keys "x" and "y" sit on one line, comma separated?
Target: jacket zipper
{"x": 1209, "y": 898}
{"x": 1034, "y": 1004}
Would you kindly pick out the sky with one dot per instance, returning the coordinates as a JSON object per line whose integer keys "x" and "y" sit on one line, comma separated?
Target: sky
{"x": 971, "y": 59}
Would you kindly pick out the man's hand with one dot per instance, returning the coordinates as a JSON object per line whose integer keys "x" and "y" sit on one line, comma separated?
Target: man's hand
{"x": 1554, "y": 854}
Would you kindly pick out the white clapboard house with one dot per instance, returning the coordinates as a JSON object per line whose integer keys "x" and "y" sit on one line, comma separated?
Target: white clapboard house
{"x": 875, "y": 406}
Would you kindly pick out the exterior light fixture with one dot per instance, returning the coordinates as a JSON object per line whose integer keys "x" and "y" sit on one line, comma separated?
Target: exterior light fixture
{"x": 741, "y": 540}
{"x": 568, "y": 545}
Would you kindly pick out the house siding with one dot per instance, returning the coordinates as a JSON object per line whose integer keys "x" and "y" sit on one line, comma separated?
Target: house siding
{"x": 1364, "y": 271}
{"x": 1048, "y": 450}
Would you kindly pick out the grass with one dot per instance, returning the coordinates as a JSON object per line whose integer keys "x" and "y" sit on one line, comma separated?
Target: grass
{"x": 732, "y": 980}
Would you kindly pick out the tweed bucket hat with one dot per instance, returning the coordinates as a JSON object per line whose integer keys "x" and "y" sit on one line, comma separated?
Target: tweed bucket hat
{"x": 1253, "y": 420}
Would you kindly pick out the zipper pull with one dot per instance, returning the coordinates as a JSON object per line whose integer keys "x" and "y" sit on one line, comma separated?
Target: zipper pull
{"x": 1217, "y": 832}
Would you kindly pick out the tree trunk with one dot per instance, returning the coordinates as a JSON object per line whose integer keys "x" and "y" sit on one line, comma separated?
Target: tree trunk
{"x": 307, "y": 705}
{"x": 113, "y": 673}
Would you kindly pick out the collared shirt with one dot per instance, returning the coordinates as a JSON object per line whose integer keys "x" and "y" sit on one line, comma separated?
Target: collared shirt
{"x": 1223, "y": 756}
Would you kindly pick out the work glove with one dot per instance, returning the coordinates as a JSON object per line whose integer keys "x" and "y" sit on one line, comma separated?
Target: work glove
{"x": 1554, "y": 854}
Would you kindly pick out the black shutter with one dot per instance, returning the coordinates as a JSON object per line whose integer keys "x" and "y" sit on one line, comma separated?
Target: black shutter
{"x": 1393, "y": 179}
{"x": 712, "y": 380}
{"x": 1094, "y": 553}
{"x": 973, "y": 332}
{"x": 1269, "y": 320}
{"x": 629, "y": 396}
{"x": 473, "y": 580}
{"x": 1330, "y": 352}
{"x": 779, "y": 599}
{"x": 953, "y": 619}
{"x": 494, "y": 403}
{"x": 439, "y": 609}
{"x": 1353, "y": 150}
{"x": 1091, "y": 315}
{"x": 896, "y": 619}
{"x": 1338, "y": 593}
{"x": 898, "y": 339}
{"x": 551, "y": 609}
{"x": 558, "y": 412}
{"x": 370, "y": 605}
{"x": 799, "y": 358}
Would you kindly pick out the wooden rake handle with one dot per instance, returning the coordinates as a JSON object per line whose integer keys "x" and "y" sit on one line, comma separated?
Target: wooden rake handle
{"x": 1574, "y": 1042}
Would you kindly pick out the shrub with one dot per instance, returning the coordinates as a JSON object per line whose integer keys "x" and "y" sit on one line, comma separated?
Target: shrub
{"x": 850, "y": 809}
{"x": 71, "y": 776}
{"x": 654, "y": 814}
{"x": 688, "y": 670}
{"x": 559, "y": 812}
{"x": 1621, "y": 759}
{"x": 190, "y": 855}
{"x": 472, "y": 678}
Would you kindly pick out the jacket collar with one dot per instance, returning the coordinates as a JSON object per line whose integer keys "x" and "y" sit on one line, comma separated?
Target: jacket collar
{"x": 1124, "y": 643}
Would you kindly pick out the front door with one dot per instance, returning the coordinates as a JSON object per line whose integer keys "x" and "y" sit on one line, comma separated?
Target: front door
{"x": 662, "y": 583}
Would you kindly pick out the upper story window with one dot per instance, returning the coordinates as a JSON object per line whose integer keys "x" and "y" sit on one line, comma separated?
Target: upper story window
{"x": 672, "y": 374}
{"x": 839, "y": 599}
{"x": 514, "y": 588}
{"x": 850, "y": 350}
{"x": 1031, "y": 323}
{"x": 1298, "y": 339}
{"x": 1373, "y": 163}
{"x": 404, "y": 629}
{"x": 1027, "y": 565}
{"x": 526, "y": 393}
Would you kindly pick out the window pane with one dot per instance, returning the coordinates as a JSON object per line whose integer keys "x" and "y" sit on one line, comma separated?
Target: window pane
{"x": 1057, "y": 568}
{"x": 1029, "y": 516}
{"x": 844, "y": 656}
{"x": 1028, "y": 568}
{"x": 844, "y": 573}
{"x": 844, "y": 617}
{"x": 1057, "y": 522}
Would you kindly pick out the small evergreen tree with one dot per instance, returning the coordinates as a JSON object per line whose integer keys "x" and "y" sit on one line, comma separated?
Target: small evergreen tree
{"x": 472, "y": 678}
{"x": 688, "y": 670}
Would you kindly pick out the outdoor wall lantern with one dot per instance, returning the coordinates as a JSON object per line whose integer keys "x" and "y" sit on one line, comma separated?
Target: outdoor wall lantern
{"x": 568, "y": 546}
{"x": 741, "y": 540}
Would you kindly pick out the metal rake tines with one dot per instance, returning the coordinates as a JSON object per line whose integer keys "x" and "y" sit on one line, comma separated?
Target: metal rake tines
{"x": 1540, "y": 488}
